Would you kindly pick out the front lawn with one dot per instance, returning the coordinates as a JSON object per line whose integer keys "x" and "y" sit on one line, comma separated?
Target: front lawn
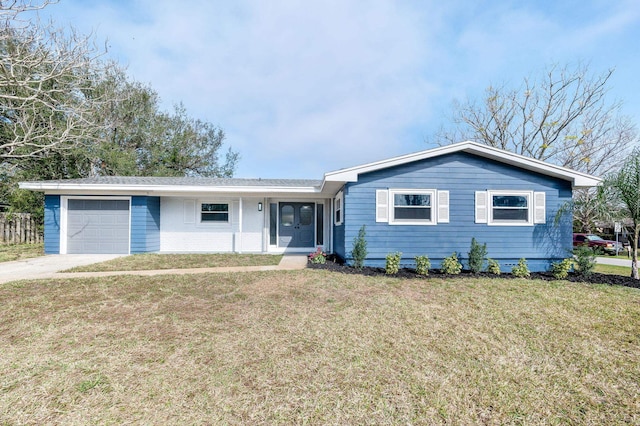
{"x": 624, "y": 271}
{"x": 153, "y": 261}
{"x": 318, "y": 347}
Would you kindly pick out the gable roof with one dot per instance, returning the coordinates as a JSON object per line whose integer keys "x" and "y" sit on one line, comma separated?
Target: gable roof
{"x": 304, "y": 188}
{"x": 577, "y": 179}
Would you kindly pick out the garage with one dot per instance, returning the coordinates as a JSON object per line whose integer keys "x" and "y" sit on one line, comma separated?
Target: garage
{"x": 97, "y": 226}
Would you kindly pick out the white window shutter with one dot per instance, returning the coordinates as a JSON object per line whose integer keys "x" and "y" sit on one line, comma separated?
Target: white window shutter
{"x": 382, "y": 205}
{"x": 443, "y": 206}
{"x": 540, "y": 207}
{"x": 482, "y": 207}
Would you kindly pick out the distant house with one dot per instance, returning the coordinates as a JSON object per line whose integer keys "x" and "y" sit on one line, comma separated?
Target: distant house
{"x": 427, "y": 203}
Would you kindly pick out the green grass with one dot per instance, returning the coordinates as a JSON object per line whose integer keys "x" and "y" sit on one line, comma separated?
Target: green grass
{"x": 153, "y": 261}
{"x": 613, "y": 269}
{"x": 11, "y": 252}
{"x": 316, "y": 347}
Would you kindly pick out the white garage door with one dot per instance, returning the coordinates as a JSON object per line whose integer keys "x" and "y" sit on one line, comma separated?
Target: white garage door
{"x": 98, "y": 226}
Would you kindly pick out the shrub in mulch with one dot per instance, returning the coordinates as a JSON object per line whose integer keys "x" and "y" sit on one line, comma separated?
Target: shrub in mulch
{"x": 335, "y": 264}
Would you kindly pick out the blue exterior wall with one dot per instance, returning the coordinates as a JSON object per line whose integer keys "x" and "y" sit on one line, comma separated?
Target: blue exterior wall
{"x": 52, "y": 224}
{"x": 461, "y": 174}
{"x": 145, "y": 224}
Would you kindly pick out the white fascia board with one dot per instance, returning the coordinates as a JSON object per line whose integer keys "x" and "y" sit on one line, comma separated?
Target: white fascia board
{"x": 578, "y": 179}
{"x": 60, "y": 188}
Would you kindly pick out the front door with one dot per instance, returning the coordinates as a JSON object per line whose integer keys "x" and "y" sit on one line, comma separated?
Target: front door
{"x": 297, "y": 225}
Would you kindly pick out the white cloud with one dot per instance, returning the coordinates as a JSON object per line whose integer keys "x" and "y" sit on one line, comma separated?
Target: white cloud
{"x": 305, "y": 87}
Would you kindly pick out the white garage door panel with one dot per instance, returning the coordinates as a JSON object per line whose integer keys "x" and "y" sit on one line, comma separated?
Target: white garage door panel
{"x": 97, "y": 226}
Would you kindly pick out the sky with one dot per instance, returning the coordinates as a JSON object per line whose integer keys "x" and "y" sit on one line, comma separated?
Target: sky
{"x": 306, "y": 87}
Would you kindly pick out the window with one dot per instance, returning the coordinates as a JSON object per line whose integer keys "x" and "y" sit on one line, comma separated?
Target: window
{"x": 338, "y": 208}
{"x": 510, "y": 208}
{"x": 319, "y": 224}
{"x": 412, "y": 206}
{"x": 214, "y": 212}
{"x": 287, "y": 215}
{"x": 273, "y": 224}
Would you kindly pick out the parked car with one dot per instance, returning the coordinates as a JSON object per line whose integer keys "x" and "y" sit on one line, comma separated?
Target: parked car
{"x": 590, "y": 240}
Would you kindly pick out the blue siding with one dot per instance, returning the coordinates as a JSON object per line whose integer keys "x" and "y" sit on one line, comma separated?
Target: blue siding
{"x": 338, "y": 241}
{"x": 461, "y": 174}
{"x": 145, "y": 224}
{"x": 52, "y": 224}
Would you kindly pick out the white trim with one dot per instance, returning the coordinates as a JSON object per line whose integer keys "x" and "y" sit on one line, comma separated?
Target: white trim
{"x": 412, "y": 191}
{"x": 239, "y": 240}
{"x": 64, "y": 208}
{"x": 167, "y": 190}
{"x": 578, "y": 179}
{"x": 530, "y": 207}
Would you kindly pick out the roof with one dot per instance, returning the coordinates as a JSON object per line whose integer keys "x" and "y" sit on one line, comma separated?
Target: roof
{"x": 332, "y": 182}
{"x": 173, "y": 185}
{"x": 577, "y": 179}
{"x": 183, "y": 181}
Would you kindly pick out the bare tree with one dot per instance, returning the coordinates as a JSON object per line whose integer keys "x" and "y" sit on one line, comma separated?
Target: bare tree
{"x": 47, "y": 80}
{"x": 563, "y": 118}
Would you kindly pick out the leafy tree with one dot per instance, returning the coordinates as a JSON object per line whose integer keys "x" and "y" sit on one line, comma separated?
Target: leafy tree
{"x": 66, "y": 113}
{"x": 624, "y": 185}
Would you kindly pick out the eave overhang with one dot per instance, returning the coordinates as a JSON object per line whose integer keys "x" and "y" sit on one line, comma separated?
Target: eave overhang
{"x": 577, "y": 179}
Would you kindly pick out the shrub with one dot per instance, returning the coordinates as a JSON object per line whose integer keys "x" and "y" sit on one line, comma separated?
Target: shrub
{"x": 393, "y": 263}
{"x": 585, "y": 259}
{"x": 493, "y": 267}
{"x": 560, "y": 270}
{"x": 521, "y": 270}
{"x": 318, "y": 256}
{"x": 451, "y": 265}
{"x": 359, "y": 251}
{"x": 422, "y": 265}
{"x": 477, "y": 256}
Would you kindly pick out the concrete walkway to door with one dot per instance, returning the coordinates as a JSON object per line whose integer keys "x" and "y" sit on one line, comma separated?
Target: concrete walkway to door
{"x": 47, "y": 267}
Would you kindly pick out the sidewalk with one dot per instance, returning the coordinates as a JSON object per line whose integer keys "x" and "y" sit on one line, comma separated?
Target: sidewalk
{"x": 613, "y": 261}
{"x": 24, "y": 270}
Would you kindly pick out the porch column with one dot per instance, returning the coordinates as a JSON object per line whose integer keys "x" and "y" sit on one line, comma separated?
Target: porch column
{"x": 239, "y": 239}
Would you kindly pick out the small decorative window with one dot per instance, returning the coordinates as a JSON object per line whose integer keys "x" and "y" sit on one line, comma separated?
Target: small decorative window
{"x": 412, "y": 207}
{"x": 338, "y": 208}
{"x": 214, "y": 212}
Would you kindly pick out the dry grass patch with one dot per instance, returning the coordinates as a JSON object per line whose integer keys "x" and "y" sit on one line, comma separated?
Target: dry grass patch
{"x": 318, "y": 347}
{"x": 154, "y": 261}
{"x": 10, "y": 252}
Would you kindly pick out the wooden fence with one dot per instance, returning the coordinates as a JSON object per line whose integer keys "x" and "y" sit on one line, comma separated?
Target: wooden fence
{"x": 18, "y": 228}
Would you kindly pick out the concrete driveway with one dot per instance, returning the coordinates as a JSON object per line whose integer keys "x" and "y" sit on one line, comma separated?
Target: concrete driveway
{"x": 47, "y": 266}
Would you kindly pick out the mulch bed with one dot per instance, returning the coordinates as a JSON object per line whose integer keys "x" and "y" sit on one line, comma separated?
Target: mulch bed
{"x": 334, "y": 264}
